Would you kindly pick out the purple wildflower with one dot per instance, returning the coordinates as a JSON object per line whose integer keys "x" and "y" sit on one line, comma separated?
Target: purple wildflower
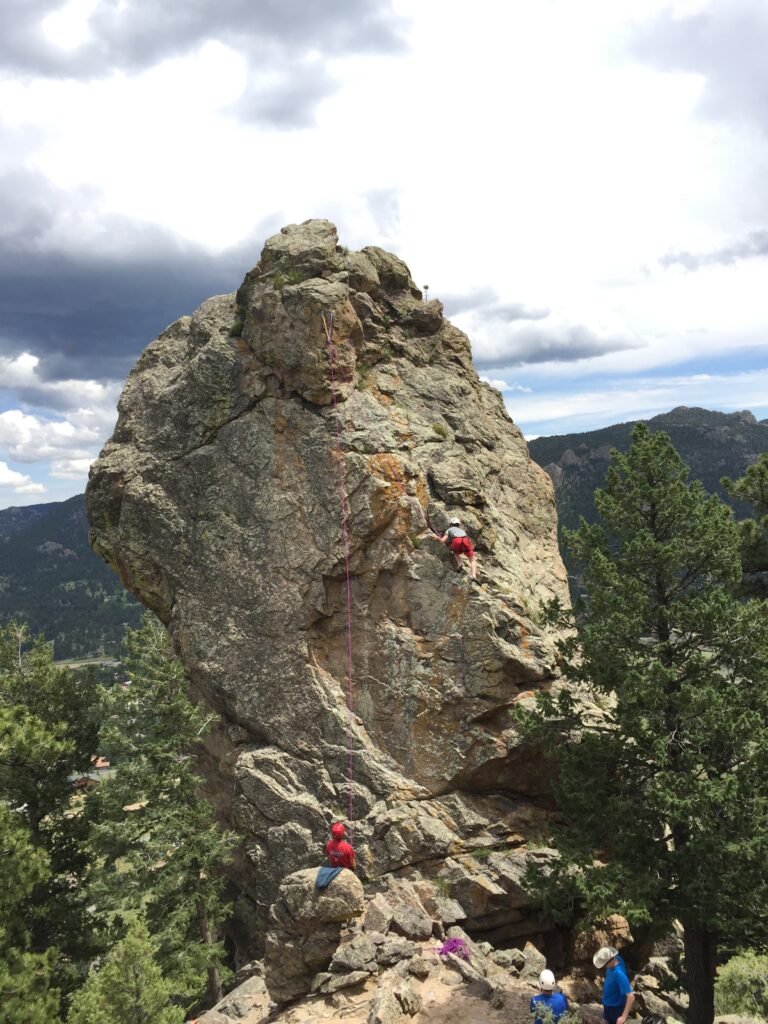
{"x": 456, "y": 946}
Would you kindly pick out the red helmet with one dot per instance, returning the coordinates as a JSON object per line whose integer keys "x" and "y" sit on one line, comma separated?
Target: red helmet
{"x": 338, "y": 831}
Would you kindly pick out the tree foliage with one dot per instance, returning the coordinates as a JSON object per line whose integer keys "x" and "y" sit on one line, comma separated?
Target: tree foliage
{"x": 161, "y": 848}
{"x": 26, "y": 977}
{"x": 742, "y": 986}
{"x": 662, "y": 739}
{"x": 129, "y": 988}
{"x": 752, "y": 488}
{"x": 48, "y": 733}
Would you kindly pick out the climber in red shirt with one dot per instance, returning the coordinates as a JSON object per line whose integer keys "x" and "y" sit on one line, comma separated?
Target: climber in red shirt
{"x": 339, "y": 852}
{"x": 459, "y": 544}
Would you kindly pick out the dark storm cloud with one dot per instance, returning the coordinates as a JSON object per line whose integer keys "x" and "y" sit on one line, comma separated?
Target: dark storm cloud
{"x": 88, "y": 310}
{"x": 727, "y": 44}
{"x": 753, "y": 246}
{"x": 484, "y": 305}
{"x": 282, "y": 40}
{"x": 466, "y": 302}
{"x": 287, "y": 97}
{"x": 508, "y": 312}
{"x": 544, "y": 343}
{"x": 515, "y": 334}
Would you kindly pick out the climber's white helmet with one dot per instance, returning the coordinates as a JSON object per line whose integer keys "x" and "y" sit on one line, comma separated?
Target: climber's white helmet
{"x": 547, "y": 981}
{"x": 454, "y": 521}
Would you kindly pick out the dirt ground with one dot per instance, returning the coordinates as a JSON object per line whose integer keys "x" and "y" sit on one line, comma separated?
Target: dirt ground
{"x": 452, "y": 1005}
{"x": 445, "y": 1000}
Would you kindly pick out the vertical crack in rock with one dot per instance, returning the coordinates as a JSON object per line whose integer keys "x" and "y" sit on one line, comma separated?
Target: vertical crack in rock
{"x": 216, "y": 500}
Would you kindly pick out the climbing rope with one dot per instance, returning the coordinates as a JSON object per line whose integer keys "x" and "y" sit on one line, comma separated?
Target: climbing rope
{"x": 426, "y": 519}
{"x": 344, "y": 504}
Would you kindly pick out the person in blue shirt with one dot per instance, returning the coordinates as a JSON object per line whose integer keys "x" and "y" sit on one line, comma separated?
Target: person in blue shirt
{"x": 548, "y": 999}
{"x": 618, "y": 996}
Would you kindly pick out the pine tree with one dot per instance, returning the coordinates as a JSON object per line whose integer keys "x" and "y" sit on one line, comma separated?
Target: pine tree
{"x": 129, "y": 988}
{"x": 666, "y": 796}
{"x": 752, "y": 488}
{"x": 26, "y": 978}
{"x": 162, "y": 848}
{"x": 48, "y": 732}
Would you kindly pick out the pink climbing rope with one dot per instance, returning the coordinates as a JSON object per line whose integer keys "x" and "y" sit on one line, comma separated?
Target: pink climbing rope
{"x": 344, "y": 503}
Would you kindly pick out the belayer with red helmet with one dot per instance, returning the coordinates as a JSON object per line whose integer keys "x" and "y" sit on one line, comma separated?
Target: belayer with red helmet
{"x": 338, "y": 851}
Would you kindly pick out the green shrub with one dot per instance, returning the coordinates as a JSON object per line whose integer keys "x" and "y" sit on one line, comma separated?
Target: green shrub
{"x": 441, "y": 429}
{"x": 281, "y": 278}
{"x": 237, "y": 327}
{"x": 545, "y": 1016}
{"x": 482, "y": 852}
{"x": 363, "y": 372}
{"x": 742, "y": 985}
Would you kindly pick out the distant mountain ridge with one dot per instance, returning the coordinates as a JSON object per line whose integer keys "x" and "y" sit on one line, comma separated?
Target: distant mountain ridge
{"x": 51, "y": 579}
{"x": 712, "y": 444}
{"x": 18, "y": 516}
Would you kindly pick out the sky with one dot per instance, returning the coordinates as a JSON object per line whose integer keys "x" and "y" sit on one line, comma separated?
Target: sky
{"x": 584, "y": 186}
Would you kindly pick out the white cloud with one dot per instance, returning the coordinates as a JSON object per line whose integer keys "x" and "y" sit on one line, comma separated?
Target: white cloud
{"x": 71, "y": 469}
{"x": 503, "y": 385}
{"x": 80, "y": 399}
{"x": 79, "y": 416}
{"x": 68, "y": 27}
{"x": 616, "y": 401}
{"x": 18, "y": 371}
{"x": 18, "y": 483}
{"x": 33, "y": 439}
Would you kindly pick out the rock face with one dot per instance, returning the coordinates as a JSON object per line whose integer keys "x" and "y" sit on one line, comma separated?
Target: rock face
{"x": 218, "y": 502}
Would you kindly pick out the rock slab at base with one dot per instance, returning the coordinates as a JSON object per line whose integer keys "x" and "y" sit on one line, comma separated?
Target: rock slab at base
{"x": 305, "y": 930}
{"x": 249, "y": 1003}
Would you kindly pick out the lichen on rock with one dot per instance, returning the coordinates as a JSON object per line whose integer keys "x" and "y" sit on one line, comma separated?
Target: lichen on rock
{"x": 217, "y": 501}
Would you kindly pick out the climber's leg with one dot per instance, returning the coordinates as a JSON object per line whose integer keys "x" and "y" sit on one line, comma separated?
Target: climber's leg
{"x": 469, "y": 553}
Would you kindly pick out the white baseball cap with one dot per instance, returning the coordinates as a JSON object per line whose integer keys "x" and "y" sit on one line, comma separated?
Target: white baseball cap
{"x": 604, "y": 955}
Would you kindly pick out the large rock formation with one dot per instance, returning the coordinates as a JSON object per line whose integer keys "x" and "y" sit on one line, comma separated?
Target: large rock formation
{"x": 217, "y": 500}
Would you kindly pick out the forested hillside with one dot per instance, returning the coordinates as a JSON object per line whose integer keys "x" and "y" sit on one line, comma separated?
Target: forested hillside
{"x": 51, "y": 579}
{"x": 712, "y": 444}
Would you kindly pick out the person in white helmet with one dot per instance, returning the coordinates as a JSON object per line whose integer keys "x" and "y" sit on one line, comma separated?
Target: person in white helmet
{"x": 459, "y": 544}
{"x": 618, "y": 996}
{"x": 548, "y": 1000}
